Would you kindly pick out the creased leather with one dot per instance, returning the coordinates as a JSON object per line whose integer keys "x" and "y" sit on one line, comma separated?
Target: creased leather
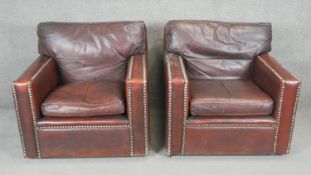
{"x": 239, "y": 52}
{"x": 228, "y": 97}
{"x": 84, "y": 99}
{"x": 218, "y": 50}
{"x": 86, "y": 51}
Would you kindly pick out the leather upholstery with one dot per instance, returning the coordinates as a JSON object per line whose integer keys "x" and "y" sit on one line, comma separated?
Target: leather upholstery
{"x": 85, "y": 98}
{"x": 48, "y": 121}
{"x": 177, "y": 98}
{"x": 84, "y": 142}
{"x": 91, "y": 51}
{"x": 206, "y": 62}
{"x": 284, "y": 88}
{"x": 218, "y": 50}
{"x": 65, "y": 77}
{"x": 136, "y": 85}
{"x": 229, "y": 120}
{"x": 228, "y": 97}
{"x": 28, "y": 95}
{"x": 233, "y": 141}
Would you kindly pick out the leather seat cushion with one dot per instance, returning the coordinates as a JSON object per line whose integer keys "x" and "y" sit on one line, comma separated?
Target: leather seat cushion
{"x": 228, "y": 97}
{"x": 85, "y": 98}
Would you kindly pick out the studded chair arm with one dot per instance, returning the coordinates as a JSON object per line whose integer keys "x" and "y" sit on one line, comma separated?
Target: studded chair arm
{"x": 283, "y": 87}
{"x": 136, "y": 86}
{"x": 177, "y": 94}
{"x": 29, "y": 90}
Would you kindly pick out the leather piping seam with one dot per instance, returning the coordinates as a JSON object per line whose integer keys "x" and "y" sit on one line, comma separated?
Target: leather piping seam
{"x": 293, "y": 119}
{"x": 146, "y": 133}
{"x": 184, "y": 105}
{"x": 130, "y": 108}
{"x": 19, "y": 123}
{"x": 280, "y": 101}
{"x": 32, "y": 106}
{"x": 83, "y": 127}
{"x": 170, "y": 96}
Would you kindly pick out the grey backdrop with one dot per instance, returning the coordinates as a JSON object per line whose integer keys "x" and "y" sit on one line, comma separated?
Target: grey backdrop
{"x": 291, "y": 20}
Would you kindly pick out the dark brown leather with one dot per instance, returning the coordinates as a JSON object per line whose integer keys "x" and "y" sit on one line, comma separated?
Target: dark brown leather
{"x": 229, "y": 120}
{"x": 84, "y": 99}
{"x": 88, "y": 51}
{"x": 137, "y": 97}
{"x": 283, "y": 87}
{"x": 96, "y": 52}
{"x": 225, "y": 141}
{"x": 177, "y": 98}
{"x": 228, "y": 97}
{"x": 218, "y": 50}
{"x": 84, "y": 142}
{"x": 47, "y": 121}
{"x": 213, "y": 53}
{"x": 28, "y": 94}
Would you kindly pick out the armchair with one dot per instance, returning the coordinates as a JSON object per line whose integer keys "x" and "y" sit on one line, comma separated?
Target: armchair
{"x": 87, "y": 93}
{"x": 225, "y": 95}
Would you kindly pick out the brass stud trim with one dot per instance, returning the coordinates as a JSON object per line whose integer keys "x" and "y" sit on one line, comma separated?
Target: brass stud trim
{"x": 129, "y": 93}
{"x": 170, "y": 96}
{"x": 34, "y": 118}
{"x": 185, "y": 112}
{"x": 83, "y": 127}
{"x": 146, "y": 133}
{"x": 19, "y": 123}
{"x": 293, "y": 119}
{"x": 280, "y": 101}
{"x": 244, "y": 125}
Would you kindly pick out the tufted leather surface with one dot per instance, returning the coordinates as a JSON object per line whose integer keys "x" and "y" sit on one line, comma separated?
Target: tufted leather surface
{"x": 218, "y": 50}
{"x": 85, "y": 98}
{"x": 228, "y": 97}
{"x": 88, "y": 51}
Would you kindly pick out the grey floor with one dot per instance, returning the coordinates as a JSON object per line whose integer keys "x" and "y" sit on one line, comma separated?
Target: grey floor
{"x": 297, "y": 162}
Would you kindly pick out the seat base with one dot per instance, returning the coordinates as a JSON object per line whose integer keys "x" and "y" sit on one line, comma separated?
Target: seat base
{"x": 229, "y": 135}
{"x": 229, "y": 140}
{"x": 84, "y": 141}
{"x": 104, "y": 136}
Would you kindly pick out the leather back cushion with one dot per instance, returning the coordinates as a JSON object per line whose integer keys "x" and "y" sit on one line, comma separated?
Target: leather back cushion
{"x": 218, "y": 50}
{"x": 91, "y": 51}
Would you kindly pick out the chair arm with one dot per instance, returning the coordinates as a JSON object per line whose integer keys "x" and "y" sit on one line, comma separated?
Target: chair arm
{"x": 177, "y": 102}
{"x": 136, "y": 86}
{"x": 29, "y": 90}
{"x": 284, "y": 88}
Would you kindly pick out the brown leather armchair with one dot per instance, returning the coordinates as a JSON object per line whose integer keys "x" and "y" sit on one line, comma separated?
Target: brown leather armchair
{"x": 225, "y": 94}
{"x": 87, "y": 94}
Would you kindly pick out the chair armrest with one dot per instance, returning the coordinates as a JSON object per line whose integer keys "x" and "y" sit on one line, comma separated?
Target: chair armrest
{"x": 177, "y": 102}
{"x": 284, "y": 88}
{"x": 136, "y": 85}
{"x": 29, "y": 90}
